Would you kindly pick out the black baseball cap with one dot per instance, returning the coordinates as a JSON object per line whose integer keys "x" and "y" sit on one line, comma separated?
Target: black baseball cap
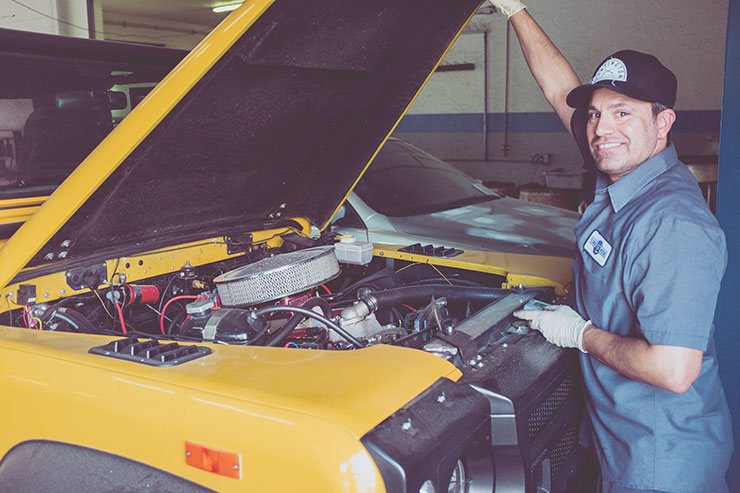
{"x": 634, "y": 74}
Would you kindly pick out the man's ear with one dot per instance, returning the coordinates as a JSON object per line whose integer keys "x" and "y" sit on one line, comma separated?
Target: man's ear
{"x": 665, "y": 120}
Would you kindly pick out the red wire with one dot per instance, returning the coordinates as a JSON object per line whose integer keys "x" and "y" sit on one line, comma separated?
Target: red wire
{"x": 410, "y": 308}
{"x": 161, "y": 315}
{"x": 29, "y": 322}
{"x": 183, "y": 323}
{"x": 120, "y": 317}
{"x": 327, "y": 289}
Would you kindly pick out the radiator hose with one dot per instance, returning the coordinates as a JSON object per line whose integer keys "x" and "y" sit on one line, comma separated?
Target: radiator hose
{"x": 424, "y": 294}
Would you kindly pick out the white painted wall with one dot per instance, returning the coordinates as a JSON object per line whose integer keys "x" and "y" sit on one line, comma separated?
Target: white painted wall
{"x": 63, "y": 17}
{"x": 687, "y": 36}
{"x": 126, "y": 27}
{"x": 687, "y": 39}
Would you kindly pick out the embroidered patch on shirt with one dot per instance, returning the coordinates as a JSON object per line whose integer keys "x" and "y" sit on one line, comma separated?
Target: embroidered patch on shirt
{"x": 597, "y": 246}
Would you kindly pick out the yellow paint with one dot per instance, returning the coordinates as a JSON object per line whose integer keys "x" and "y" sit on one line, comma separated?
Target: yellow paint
{"x": 19, "y": 210}
{"x": 527, "y": 270}
{"x": 22, "y": 202}
{"x": 112, "y": 151}
{"x": 158, "y": 262}
{"x": 16, "y": 214}
{"x": 279, "y": 409}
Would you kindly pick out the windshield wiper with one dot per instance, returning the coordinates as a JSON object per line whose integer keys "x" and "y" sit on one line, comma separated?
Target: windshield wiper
{"x": 455, "y": 204}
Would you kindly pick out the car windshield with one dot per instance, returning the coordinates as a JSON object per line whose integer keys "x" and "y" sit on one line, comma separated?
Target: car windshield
{"x": 404, "y": 180}
{"x": 55, "y": 108}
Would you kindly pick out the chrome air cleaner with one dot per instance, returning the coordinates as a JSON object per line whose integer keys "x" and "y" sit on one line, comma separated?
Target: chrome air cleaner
{"x": 275, "y": 277}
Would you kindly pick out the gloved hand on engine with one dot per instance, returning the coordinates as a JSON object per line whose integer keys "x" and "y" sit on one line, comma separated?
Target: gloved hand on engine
{"x": 508, "y": 7}
{"x": 560, "y": 324}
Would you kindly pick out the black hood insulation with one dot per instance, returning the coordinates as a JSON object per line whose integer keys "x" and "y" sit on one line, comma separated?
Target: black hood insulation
{"x": 281, "y": 126}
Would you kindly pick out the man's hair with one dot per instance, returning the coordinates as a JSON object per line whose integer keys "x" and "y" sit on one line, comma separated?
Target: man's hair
{"x": 657, "y": 108}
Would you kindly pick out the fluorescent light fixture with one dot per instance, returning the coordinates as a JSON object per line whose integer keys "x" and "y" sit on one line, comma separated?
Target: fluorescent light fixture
{"x": 228, "y": 7}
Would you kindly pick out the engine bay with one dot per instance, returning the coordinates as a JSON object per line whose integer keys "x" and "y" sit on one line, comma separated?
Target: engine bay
{"x": 300, "y": 298}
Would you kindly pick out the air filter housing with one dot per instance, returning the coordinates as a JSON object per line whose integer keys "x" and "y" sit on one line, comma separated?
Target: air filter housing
{"x": 276, "y": 277}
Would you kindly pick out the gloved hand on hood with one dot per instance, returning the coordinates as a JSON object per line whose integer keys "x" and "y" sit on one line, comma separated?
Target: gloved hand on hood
{"x": 560, "y": 325}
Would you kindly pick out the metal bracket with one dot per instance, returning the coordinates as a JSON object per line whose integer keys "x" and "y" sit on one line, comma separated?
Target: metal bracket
{"x": 239, "y": 243}
{"x": 464, "y": 343}
{"x": 80, "y": 278}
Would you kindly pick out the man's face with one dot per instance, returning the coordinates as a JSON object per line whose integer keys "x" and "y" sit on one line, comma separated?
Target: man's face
{"x": 623, "y": 133}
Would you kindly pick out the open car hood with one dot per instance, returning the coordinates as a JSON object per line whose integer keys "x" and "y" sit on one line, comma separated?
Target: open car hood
{"x": 275, "y": 115}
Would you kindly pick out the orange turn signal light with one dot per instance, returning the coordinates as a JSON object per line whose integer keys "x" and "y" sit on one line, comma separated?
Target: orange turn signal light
{"x": 212, "y": 460}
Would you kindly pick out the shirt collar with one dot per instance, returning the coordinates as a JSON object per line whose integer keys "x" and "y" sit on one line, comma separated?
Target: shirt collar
{"x": 627, "y": 187}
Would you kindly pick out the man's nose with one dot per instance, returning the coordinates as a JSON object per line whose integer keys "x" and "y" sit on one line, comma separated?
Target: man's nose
{"x": 604, "y": 126}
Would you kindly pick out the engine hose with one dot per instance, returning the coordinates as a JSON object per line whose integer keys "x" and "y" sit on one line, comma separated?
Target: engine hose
{"x": 285, "y": 330}
{"x": 455, "y": 281}
{"x": 381, "y": 274}
{"x": 82, "y": 323}
{"x": 310, "y": 313}
{"x": 175, "y": 321}
{"x": 424, "y": 293}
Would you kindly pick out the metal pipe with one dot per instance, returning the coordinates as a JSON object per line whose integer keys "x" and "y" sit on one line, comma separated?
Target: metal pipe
{"x": 91, "y": 19}
{"x": 485, "y": 95}
{"x": 505, "y": 147}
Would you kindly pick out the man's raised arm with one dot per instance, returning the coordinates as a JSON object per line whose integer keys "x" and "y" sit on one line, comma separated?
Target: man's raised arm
{"x": 550, "y": 69}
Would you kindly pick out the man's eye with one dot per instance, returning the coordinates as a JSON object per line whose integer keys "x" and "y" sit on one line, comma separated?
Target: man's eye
{"x": 593, "y": 116}
{"x": 622, "y": 113}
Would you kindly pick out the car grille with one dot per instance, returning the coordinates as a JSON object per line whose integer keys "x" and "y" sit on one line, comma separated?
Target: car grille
{"x": 546, "y": 411}
{"x": 565, "y": 445}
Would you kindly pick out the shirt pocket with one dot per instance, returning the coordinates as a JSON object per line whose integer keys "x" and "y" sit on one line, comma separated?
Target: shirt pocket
{"x": 593, "y": 289}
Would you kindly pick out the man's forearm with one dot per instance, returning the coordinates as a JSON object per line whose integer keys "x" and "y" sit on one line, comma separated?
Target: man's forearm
{"x": 669, "y": 367}
{"x": 550, "y": 69}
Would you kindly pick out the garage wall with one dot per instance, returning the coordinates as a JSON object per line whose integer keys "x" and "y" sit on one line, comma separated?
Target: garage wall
{"x": 63, "y": 17}
{"x": 449, "y": 116}
{"x": 158, "y": 32}
{"x": 485, "y": 114}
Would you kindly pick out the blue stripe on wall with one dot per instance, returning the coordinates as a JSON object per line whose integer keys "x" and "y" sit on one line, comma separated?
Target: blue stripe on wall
{"x": 688, "y": 121}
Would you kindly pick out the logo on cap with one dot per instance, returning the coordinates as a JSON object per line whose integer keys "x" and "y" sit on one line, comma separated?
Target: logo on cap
{"x": 613, "y": 69}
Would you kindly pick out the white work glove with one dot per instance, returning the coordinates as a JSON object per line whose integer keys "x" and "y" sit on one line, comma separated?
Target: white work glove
{"x": 508, "y": 7}
{"x": 560, "y": 324}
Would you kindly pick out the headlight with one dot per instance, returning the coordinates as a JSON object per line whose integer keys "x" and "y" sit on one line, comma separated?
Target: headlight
{"x": 437, "y": 443}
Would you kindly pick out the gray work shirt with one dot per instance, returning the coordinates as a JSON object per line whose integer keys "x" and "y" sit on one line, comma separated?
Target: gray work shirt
{"x": 651, "y": 260}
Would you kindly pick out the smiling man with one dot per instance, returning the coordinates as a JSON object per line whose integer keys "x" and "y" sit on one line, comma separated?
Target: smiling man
{"x": 624, "y": 132}
{"x": 650, "y": 261}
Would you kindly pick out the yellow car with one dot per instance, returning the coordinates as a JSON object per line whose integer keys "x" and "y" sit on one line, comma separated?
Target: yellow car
{"x": 169, "y": 322}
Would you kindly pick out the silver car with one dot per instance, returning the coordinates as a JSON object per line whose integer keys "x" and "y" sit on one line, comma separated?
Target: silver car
{"x": 408, "y": 196}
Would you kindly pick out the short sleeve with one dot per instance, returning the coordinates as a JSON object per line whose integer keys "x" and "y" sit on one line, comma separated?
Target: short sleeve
{"x": 675, "y": 278}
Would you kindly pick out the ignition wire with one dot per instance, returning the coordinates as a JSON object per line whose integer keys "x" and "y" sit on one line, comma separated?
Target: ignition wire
{"x": 161, "y": 315}
{"x": 120, "y": 316}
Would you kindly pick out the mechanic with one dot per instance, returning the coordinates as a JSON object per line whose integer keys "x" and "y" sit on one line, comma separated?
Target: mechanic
{"x": 651, "y": 259}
